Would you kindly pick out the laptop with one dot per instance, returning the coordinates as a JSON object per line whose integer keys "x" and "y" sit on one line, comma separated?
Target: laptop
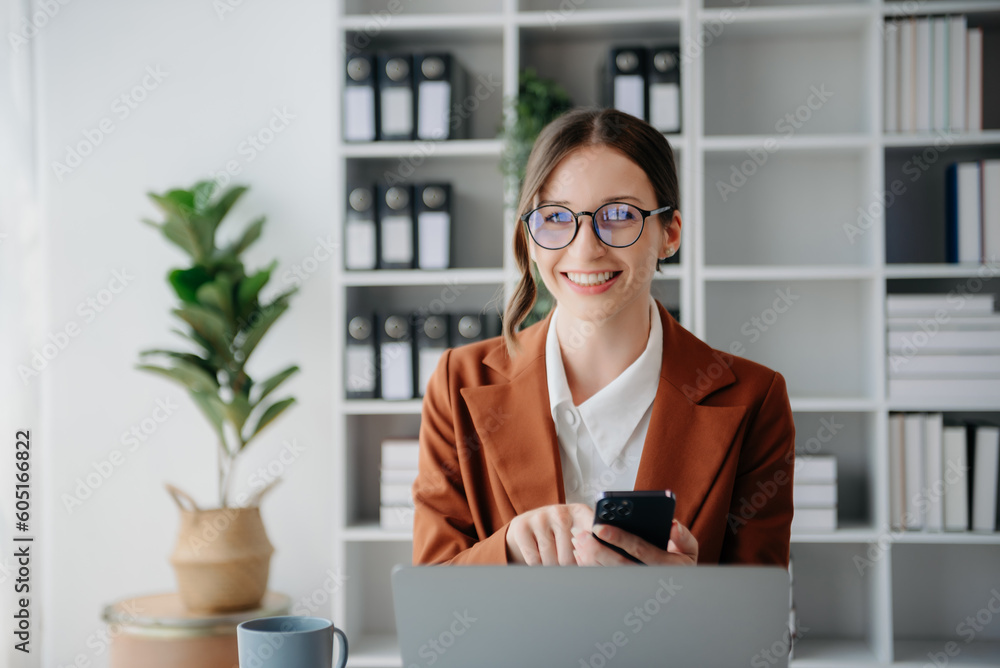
{"x": 594, "y": 617}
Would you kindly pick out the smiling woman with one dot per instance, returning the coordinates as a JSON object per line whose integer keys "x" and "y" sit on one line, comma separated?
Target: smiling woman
{"x": 521, "y": 433}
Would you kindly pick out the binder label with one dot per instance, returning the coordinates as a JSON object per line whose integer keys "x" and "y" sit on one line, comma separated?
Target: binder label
{"x": 397, "y": 111}
{"x": 432, "y": 109}
{"x": 397, "y": 370}
{"x": 629, "y": 94}
{"x": 665, "y": 107}
{"x": 359, "y": 113}
{"x": 397, "y": 239}
{"x": 360, "y": 244}
{"x": 360, "y": 369}
{"x": 433, "y": 228}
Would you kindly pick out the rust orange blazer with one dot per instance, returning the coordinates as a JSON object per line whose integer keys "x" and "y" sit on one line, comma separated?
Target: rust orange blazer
{"x": 720, "y": 436}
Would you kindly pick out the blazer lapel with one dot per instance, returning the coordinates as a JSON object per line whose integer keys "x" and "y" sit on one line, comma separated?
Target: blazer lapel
{"x": 514, "y": 423}
{"x": 687, "y": 443}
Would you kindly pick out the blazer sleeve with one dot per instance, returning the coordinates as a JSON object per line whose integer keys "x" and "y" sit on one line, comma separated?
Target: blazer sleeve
{"x": 444, "y": 528}
{"x": 759, "y": 523}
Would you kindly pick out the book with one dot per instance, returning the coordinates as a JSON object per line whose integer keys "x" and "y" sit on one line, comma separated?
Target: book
{"x": 979, "y": 391}
{"x": 815, "y": 468}
{"x": 814, "y": 494}
{"x": 939, "y": 84}
{"x": 990, "y": 188}
{"x": 814, "y": 519}
{"x": 957, "y": 341}
{"x": 913, "y": 459}
{"x": 963, "y": 214}
{"x": 930, "y": 304}
{"x": 947, "y": 322}
{"x": 396, "y": 494}
{"x": 897, "y": 480}
{"x": 957, "y": 33}
{"x": 923, "y": 71}
{"x": 908, "y": 75}
{"x": 986, "y": 464}
{"x": 944, "y": 366}
{"x": 398, "y": 476}
{"x": 974, "y": 86}
{"x": 400, "y": 453}
{"x": 396, "y": 518}
{"x": 891, "y": 44}
{"x": 956, "y": 477}
{"x": 933, "y": 473}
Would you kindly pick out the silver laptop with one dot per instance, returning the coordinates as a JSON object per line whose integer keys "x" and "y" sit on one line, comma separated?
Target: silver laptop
{"x": 626, "y": 617}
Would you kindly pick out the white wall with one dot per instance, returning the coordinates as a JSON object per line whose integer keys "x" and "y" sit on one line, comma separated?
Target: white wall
{"x": 224, "y": 76}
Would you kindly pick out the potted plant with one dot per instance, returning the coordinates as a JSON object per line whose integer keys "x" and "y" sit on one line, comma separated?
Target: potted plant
{"x": 538, "y": 102}
{"x": 222, "y": 556}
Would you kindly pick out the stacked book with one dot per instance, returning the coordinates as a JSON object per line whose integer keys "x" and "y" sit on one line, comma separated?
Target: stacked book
{"x": 943, "y": 346}
{"x": 398, "y": 472}
{"x": 943, "y": 478}
{"x": 972, "y": 211}
{"x": 814, "y": 493}
{"x": 933, "y": 75}
{"x": 793, "y": 630}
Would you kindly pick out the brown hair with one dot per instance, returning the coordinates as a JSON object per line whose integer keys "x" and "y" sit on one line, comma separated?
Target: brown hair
{"x": 637, "y": 139}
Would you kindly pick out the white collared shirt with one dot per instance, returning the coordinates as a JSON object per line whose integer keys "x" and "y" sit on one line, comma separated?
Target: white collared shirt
{"x": 600, "y": 441}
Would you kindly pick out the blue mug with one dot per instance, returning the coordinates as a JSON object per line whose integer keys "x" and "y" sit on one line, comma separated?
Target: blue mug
{"x": 281, "y": 642}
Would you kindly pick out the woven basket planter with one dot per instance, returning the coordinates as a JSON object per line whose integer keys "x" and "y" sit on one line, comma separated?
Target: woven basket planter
{"x": 222, "y": 557}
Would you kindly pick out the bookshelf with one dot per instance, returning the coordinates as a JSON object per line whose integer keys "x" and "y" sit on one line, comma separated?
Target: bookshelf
{"x": 745, "y": 65}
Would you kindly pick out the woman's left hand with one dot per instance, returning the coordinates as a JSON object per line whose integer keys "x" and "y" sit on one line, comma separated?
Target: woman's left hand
{"x": 682, "y": 550}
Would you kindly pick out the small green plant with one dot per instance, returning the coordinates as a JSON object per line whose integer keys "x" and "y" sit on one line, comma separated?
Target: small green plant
{"x": 539, "y": 101}
{"x": 223, "y": 317}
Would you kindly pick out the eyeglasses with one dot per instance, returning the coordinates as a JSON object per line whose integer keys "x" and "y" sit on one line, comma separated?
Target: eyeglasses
{"x": 617, "y": 224}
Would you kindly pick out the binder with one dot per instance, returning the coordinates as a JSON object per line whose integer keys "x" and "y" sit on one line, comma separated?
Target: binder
{"x": 441, "y": 85}
{"x": 432, "y": 342}
{"x": 360, "y": 230}
{"x": 625, "y": 85}
{"x": 664, "y": 72}
{"x": 395, "y": 344}
{"x": 360, "y": 368}
{"x": 466, "y": 328}
{"x": 360, "y": 107}
{"x": 395, "y": 86}
{"x": 433, "y": 214}
{"x": 395, "y": 227}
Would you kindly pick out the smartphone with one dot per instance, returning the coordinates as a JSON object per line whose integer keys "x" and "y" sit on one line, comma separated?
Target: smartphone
{"x": 648, "y": 514}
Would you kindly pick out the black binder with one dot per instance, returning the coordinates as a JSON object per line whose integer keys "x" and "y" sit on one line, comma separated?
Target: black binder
{"x": 360, "y": 360}
{"x": 470, "y": 327}
{"x": 664, "y": 76}
{"x": 441, "y": 85}
{"x": 361, "y": 230}
{"x": 395, "y": 352}
{"x": 396, "y": 231}
{"x": 395, "y": 87}
{"x": 625, "y": 81}
{"x": 360, "y": 102}
{"x": 433, "y": 213}
{"x": 432, "y": 338}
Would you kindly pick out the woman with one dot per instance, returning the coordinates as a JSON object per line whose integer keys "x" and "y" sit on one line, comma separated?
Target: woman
{"x": 520, "y": 434}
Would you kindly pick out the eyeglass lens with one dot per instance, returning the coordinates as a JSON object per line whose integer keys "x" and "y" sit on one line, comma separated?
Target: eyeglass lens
{"x": 553, "y": 226}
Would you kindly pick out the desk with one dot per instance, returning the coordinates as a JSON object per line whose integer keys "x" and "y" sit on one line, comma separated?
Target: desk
{"x": 157, "y": 631}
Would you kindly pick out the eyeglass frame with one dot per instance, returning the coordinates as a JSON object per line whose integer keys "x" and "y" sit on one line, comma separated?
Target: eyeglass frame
{"x": 593, "y": 222}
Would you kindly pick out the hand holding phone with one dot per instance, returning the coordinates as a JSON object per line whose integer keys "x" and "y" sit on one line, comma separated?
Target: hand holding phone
{"x": 647, "y": 514}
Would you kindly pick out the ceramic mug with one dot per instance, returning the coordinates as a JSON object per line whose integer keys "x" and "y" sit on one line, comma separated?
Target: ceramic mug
{"x": 280, "y": 642}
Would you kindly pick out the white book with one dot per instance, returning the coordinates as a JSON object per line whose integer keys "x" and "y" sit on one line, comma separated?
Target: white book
{"x": 396, "y": 518}
{"x": 939, "y": 85}
{"x": 913, "y": 459}
{"x": 974, "y": 71}
{"x": 406, "y": 476}
{"x": 396, "y": 494}
{"x": 957, "y": 31}
{"x": 956, "y": 488}
{"x": 891, "y": 80}
{"x": 933, "y": 472}
{"x": 969, "y": 213}
{"x": 923, "y": 72}
{"x": 400, "y": 453}
{"x": 990, "y": 173}
{"x": 909, "y": 342}
{"x": 897, "y": 480}
{"x": 944, "y": 366}
{"x": 979, "y": 391}
{"x": 985, "y": 466}
{"x": 806, "y": 520}
{"x": 947, "y": 322}
{"x": 908, "y": 75}
{"x": 930, "y": 304}
{"x": 815, "y": 468}
{"x": 814, "y": 494}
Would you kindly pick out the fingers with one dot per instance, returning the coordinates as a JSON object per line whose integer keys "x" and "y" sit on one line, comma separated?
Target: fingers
{"x": 682, "y": 541}
{"x": 543, "y": 537}
{"x": 591, "y": 552}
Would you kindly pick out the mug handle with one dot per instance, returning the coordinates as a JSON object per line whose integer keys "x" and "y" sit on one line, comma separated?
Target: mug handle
{"x": 343, "y": 646}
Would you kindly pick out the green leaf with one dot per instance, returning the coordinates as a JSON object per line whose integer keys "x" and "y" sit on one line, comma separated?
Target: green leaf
{"x": 201, "y": 194}
{"x": 189, "y": 375}
{"x": 209, "y": 325}
{"x": 272, "y": 412}
{"x": 183, "y": 235}
{"x": 250, "y": 235}
{"x": 268, "y": 315}
{"x": 219, "y": 295}
{"x": 205, "y": 365}
{"x": 250, "y": 287}
{"x": 187, "y": 281}
{"x": 273, "y": 382}
{"x": 213, "y": 409}
{"x": 238, "y": 410}
{"x": 227, "y": 201}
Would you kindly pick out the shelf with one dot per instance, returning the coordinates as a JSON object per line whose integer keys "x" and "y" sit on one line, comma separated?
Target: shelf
{"x": 372, "y": 532}
{"x": 381, "y": 407}
{"x": 597, "y": 18}
{"x": 978, "y": 654}
{"x": 904, "y": 9}
{"x": 831, "y": 142}
{"x": 797, "y": 20}
{"x": 849, "y": 534}
{"x": 943, "y": 405}
{"x": 947, "y": 538}
{"x": 419, "y": 22}
{"x": 832, "y": 404}
{"x": 375, "y": 651}
{"x": 425, "y": 148}
{"x": 792, "y": 273}
{"x": 987, "y": 137}
{"x": 420, "y": 277}
{"x": 939, "y": 270}
{"x": 828, "y": 653}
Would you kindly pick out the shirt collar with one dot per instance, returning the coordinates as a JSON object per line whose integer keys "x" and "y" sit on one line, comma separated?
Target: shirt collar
{"x": 611, "y": 415}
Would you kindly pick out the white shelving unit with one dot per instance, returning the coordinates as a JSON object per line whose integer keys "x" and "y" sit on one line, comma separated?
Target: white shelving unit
{"x": 745, "y": 65}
